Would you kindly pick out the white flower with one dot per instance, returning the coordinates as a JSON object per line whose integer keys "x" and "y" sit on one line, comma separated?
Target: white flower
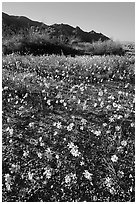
{"x": 48, "y": 102}
{"x": 39, "y": 155}
{"x": 124, "y": 143}
{"x": 8, "y": 186}
{"x": 119, "y": 92}
{"x": 61, "y": 101}
{"x": 5, "y": 88}
{"x": 7, "y": 178}
{"x": 70, "y": 126}
{"x": 83, "y": 121}
{"x": 120, "y": 174}
{"x": 111, "y": 97}
{"x": 132, "y": 124}
{"x": 55, "y": 133}
{"x": 117, "y": 128}
{"x": 8, "y": 181}
{"x": 71, "y": 145}
{"x": 97, "y": 132}
{"x": 131, "y": 189}
{"x": 31, "y": 125}
{"x": 111, "y": 119}
{"x": 64, "y": 104}
{"x": 54, "y": 124}
{"x": 114, "y": 158}
{"x": 126, "y": 85}
{"x": 74, "y": 151}
{"x": 81, "y": 127}
{"x": 120, "y": 149}
{"x": 119, "y": 106}
{"x": 78, "y": 101}
{"x": 30, "y": 175}
{"x": 47, "y": 172}
{"x": 40, "y": 139}
{"x": 59, "y": 125}
{"x": 43, "y": 91}
{"x": 108, "y": 182}
{"x": 16, "y": 102}
{"x": 26, "y": 95}
{"x": 88, "y": 175}
{"x": 82, "y": 89}
{"x": 46, "y": 85}
{"x": 8, "y": 120}
{"x": 57, "y": 156}
{"x": 73, "y": 176}
{"x": 100, "y": 93}
{"x": 84, "y": 105}
{"x": 58, "y": 95}
{"x": 108, "y": 107}
{"x": 82, "y": 163}
{"x": 11, "y": 131}
{"x": 95, "y": 198}
{"x": 70, "y": 177}
{"x": 101, "y": 104}
{"x": 112, "y": 190}
{"x": 119, "y": 116}
{"x": 114, "y": 105}
{"x": 25, "y": 154}
{"x": 67, "y": 179}
{"x": 95, "y": 104}
{"x": 48, "y": 153}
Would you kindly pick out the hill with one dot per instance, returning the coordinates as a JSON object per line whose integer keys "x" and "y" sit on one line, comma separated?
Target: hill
{"x": 22, "y": 35}
{"x": 18, "y": 22}
{"x": 63, "y": 32}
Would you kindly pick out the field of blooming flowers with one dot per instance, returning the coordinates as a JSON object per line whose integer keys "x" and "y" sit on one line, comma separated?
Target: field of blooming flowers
{"x": 68, "y": 128}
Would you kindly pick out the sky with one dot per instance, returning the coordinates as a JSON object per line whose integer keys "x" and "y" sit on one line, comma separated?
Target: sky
{"x": 114, "y": 19}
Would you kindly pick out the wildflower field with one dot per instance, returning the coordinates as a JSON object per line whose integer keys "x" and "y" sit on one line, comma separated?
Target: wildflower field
{"x": 68, "y": 128}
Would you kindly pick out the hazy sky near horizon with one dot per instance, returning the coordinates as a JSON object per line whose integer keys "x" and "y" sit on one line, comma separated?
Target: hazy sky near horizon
{"x": 114, "y": 19}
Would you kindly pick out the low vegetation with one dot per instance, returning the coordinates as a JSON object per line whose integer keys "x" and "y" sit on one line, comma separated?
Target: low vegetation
{"x": 39, "y": 43}
{"x": 68, "y": 128}
{"x": 36, "y": 44}
{"x": 108, "y": 47}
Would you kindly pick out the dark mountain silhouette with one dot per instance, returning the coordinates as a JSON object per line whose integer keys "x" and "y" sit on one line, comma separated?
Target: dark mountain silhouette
{"x": 65, "y": 33}
{"x": 24, "y": 36}
{"x": 19, "y": 22}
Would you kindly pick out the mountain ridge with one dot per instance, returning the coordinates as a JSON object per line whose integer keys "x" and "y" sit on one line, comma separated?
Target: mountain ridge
{"x": 65, "y": 31}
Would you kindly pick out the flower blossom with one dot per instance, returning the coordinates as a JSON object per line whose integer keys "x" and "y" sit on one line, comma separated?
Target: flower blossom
{"x": 87, "y": 175}
{"x": 114, "y": 158}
